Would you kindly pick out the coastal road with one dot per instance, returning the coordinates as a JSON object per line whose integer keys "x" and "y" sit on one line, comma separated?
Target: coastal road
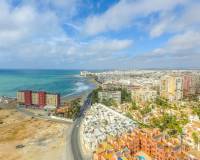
{"x": 75, "y": 138}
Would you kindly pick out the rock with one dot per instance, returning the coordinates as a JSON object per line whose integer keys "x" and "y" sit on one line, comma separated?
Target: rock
{"x": 20, "y": 146}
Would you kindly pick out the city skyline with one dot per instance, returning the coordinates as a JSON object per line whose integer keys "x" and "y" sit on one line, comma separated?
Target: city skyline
{"x": 77, "y": 34}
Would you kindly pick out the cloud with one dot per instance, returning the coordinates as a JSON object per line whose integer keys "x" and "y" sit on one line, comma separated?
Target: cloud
{"x": 25, "y": 23}
{"x": 125, "y": 12}
{"x": 173, "y": 22}
{"x": 182, "y": 50}
{"x": 41, "y": 34}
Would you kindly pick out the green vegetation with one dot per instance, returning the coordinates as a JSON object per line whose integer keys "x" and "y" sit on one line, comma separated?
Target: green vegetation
{"x": 128, "y": 114}
{"x": 196, "y": 110}
{"x": 196, "y": 138}
{"x": 145, "y": 110}
{"x": 75, "y": 108}
{"x": 162, "y": 102}
{"x": 125, "y": 96}
{"x": 133, "y": 106}
{"x": 109, "y": 102}
{"x": 94, "y": 95}
{"x": 169, "y": 123}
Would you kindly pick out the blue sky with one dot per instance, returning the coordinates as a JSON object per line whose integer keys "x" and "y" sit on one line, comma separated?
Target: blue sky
{"x": 99, "y": 34}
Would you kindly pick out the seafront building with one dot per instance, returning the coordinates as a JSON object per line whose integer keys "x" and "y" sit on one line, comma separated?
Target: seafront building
{"x": 38, "y": 99}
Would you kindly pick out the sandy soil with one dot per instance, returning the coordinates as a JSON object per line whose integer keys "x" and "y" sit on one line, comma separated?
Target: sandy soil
{"x": 39, "y": 139}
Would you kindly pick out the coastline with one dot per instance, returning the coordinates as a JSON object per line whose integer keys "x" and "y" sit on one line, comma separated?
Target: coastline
{"x": 92, "y": 84}
{"x": 82, "y": 95}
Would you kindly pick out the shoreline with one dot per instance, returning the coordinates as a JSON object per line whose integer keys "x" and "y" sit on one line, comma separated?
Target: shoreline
{"x": 66, "y": 98}
{"x": 83, "y": 95}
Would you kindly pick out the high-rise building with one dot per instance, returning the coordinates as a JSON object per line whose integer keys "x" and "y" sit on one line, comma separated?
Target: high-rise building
{"x": 171, "y": 87}
{"x": 27, "y": 97}
{"x": 187, "y": 85}
{"x": 39, "y": 99}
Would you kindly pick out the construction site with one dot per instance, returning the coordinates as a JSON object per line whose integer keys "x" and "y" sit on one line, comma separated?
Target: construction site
{"x": 26, "y": 137}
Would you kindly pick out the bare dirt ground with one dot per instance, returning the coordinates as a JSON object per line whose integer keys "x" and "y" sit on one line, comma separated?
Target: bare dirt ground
{"x": 26, "y": 138}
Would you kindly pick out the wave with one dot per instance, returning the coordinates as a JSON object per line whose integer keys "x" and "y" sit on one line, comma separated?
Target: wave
{"x": 80, "y": 87}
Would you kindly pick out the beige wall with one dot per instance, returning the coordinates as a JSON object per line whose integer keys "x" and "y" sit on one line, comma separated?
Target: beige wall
{"x": 20, "y": 97}
{"x": 51, "y": 99}
{"x": 35, "y": 98}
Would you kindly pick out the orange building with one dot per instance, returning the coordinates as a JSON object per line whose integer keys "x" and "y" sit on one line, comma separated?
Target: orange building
{"x": 146, "y": 143}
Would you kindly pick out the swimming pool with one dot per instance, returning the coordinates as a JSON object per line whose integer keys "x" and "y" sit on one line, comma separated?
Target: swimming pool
{"x": 141, "y": 157}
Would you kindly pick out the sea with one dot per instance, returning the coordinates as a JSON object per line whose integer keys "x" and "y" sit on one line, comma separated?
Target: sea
{"x": 65, "y": 82}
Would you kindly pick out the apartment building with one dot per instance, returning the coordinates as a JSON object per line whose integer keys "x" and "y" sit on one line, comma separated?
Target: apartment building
{"x": 52, "y": 99}
{"x": 39, "y": 99}
{"x": 143, "y": 94}
{"x": 115, "y": 95}
{"x": 171, "y": 87}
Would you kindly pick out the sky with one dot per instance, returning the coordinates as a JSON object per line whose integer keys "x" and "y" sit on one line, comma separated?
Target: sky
{"x": 100, "y": 34}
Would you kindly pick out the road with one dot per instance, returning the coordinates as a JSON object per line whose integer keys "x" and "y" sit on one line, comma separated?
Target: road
{"x": 75, "y": 138}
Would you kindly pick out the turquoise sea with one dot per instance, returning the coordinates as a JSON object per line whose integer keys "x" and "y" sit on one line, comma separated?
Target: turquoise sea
{"x": 65, "y": 82}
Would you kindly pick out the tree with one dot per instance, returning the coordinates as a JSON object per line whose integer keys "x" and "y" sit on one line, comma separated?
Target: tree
{"x": 94, "y": 95}
{"x": 125, "y": 96}
{"x": 146, "y": 110}
{"x": 196, "y": 139}
{"x": 169, "y": 123}
{"x": 134, "y": 105}
{"x": 75, "y": 108}
{"x": 109, "y": 102}
{"x": 196, "y": 110}
{"x": 128, "y": 114}
{"x": 162, "y": 103}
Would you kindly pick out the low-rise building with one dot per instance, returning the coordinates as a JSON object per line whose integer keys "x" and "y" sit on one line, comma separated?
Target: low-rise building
{"x": 143, "y": 94}
{"x": 146, "y": 143}
{"x": 100, "y": 122}
{"x": 106, "y": 95}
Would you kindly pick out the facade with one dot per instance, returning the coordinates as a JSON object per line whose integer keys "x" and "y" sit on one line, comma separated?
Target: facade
{"x": 52, "y": 99}
{"x": 115, "y": 95}
{"x": 147, "y": 143}
{"x": 39, "y": 99}
{"x": 196, "y": 84}
{"x": 27, "y": 97}
{"x": 171, "y": 87}
{"x": 187, "y": 85}
{"x": 20, "y": 97}
{"x": 35, "y": 99}
{"x": 144, "y": 94}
